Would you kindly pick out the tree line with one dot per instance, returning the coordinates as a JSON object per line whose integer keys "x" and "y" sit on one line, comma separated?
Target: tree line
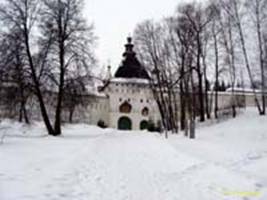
{"x": 199, "y": 46}
{"x": 46, "y": 47}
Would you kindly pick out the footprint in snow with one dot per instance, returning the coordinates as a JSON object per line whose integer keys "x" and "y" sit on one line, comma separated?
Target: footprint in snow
{"x": 254, "y": 156}
{"x": 98, "y": 178}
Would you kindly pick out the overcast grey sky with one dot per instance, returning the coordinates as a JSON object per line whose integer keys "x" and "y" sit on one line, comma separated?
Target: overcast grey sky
{"x": 115, "y": 19}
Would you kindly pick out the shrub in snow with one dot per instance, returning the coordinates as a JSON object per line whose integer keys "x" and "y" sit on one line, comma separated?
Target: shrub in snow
{"x": 101, "y": 124}
{"x": 151, "y": 127}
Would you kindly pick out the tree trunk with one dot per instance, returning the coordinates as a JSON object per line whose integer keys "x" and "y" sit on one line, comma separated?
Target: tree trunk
{"x": 37, "y": 87}
{"x": 200, "y": 81}
{"x": 25, "y": 113}
{"x": 260, "y": 45}
{"x": 192, "y": 129}
{"x": 206, "y": 88}
{"x": 232, "y": 70}
{"x": 230, "y": 57}
{"x": 182, "y": 95}
{"x": 243, "y": 44}
{"x": 186, "y": 128}
{"x": 21, "y": 112}
{"x": 71, "y": 112}
{"x": 192, "y": 110}
{"x": 216, "y": 107}
{"x": 182, "y": 107}
{"x": 57, "y": 126}
{"x": 61, "y": 48}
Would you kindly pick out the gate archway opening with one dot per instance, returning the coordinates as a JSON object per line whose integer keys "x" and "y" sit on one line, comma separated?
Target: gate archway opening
{"x": 143, "y": 125}
{"x": 124, "y": 123}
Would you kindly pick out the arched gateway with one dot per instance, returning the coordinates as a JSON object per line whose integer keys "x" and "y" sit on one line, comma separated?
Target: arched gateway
{"x": 143, "y": 125}
{"x": 124, "y": 123}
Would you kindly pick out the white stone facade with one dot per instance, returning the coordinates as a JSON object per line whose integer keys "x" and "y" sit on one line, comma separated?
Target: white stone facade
{"x": 132, "y": 92}
{"x": 137, "y": 94}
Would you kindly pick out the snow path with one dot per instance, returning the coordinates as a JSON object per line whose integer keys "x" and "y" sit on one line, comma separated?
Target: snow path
{"x": 130, "y": 168}
{"x": 237, "y": 145}
{"x": 127, "y": 170}
{"x": 41, "y": 167}
{"x": 93, "y": 164}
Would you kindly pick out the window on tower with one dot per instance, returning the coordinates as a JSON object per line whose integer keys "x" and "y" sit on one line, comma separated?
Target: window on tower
{"x": 145, "y": 111}
{"x": 125, "y": 107}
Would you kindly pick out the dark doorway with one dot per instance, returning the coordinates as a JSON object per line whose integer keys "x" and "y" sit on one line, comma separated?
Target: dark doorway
{"x": 143, "y": 125}
{"x": 124, "y": 123}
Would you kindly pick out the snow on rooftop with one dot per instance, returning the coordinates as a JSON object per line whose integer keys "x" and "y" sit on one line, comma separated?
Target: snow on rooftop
{"x": 92, "y": 90}
{"x": 129, "y": 80}
{"x": 239, "y": 89}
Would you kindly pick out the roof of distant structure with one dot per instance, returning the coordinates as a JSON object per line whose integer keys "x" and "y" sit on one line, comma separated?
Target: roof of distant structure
{"x": 130, "y": 66}
{"x": 247, "y": 90}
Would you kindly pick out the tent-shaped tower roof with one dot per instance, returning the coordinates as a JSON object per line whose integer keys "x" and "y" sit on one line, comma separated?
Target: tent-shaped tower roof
{"x": 130, "y": 66}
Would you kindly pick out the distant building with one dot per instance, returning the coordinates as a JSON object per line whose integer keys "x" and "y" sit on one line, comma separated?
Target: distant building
{"x": 129, "y": 99}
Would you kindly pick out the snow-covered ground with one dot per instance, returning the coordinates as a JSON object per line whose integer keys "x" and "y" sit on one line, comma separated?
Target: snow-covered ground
{"x": 227, "y": 161}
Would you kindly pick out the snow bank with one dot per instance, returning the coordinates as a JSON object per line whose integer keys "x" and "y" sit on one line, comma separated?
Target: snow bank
{"x": 227, "y": 161}
{"x": 16, "y": 129}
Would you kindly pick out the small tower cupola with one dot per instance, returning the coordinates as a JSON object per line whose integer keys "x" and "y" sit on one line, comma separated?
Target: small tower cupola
{"x": 108, "y": 75}
{"x": 129, "y": 48}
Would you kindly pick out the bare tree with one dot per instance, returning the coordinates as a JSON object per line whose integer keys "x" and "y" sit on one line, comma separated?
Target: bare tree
{"x": 75, "y": 94}
{"x": 258, "y": 10}
{"x": 196, "y": 15}
{"x": 21, "y": 16}
{"x": 205, "y": 75}
{"x": 184, "y": 47}
{"x": 215, "y": 33}
{"x": 153, "y": 43}
{"x": 232, "y": 7}
{"x": 56, "y": 42}
{"x": 173, "y": 55}
{"x": 15, "y": 70}
{"x": 227, "y": 27}
{"x": 71, "y": 49}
